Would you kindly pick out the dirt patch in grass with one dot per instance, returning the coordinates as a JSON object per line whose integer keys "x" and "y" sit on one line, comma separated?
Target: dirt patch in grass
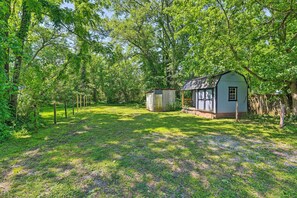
{"x": 4, "y": 187}
{"x": 103, "y": 152}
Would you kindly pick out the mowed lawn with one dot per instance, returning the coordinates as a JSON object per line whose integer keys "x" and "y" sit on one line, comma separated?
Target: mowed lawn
{"x": 126, "y": 151}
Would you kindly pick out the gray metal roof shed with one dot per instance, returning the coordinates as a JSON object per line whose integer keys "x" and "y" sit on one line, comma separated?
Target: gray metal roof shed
{"x": 216, "y": 96}
{"x": 202, "y": 82}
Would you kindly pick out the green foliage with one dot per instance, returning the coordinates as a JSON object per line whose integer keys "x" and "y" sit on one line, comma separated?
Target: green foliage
{"x": 147, "y": 29}
{"x": 253, "y": 37}
{"x": 174, "y": 106}
{"x": 4, "y": 109}
{"x": 240, "y": 36}
{"x": 122, "y": 78}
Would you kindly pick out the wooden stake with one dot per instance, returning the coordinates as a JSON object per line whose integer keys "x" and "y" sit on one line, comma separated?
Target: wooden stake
{"x": 55, "y": 114}
{"x": 72, "y": 105}
{"x": 76, "y": 102}
{"x": 79, "y": 101}
{"x": 282, "y": 116}
{"x": 35, "y": 117}
{"x": 183, "y": 99}
{"x": 65, "y": 107}
{"x": 236, "y": 111}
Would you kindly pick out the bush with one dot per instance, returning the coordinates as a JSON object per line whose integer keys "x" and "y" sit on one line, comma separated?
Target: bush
{"x": 4, "y": 109}
{"x": 4, "y": 132}
{"x": 174, "y": 106}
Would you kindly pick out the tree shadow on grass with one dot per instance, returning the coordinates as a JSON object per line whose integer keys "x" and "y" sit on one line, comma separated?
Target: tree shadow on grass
{"x": 151, "y": 154}
{"x": 223, "y": 164}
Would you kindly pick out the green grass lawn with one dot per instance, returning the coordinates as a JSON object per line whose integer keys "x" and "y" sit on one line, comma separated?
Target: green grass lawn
{"x": 112, "y": 151}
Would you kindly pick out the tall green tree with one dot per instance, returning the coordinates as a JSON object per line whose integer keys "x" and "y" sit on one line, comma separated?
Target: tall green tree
{"x": 147, "y": 28}
{"x": 255, "y": 37}
{"x": 20, "y": 17}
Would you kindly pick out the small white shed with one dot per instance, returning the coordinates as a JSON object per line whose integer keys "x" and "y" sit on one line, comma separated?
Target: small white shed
{"x": 160, "y": 99}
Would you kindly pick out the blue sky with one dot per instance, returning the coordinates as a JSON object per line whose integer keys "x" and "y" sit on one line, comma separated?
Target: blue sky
{"x": 107, "y": 13}
{"x": 67, "y": 5}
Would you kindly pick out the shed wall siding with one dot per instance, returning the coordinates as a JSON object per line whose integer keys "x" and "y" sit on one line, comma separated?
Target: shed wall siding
{"x": 150, "y": 101}
{"x": 159, "y": 100}
{"x": 196, "y": 99}
{"x": 168, "y": 99}
{"x": 231, "y": 80}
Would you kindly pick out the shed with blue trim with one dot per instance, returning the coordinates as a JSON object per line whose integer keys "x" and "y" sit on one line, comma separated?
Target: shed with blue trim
{"x": 216, "y": 96}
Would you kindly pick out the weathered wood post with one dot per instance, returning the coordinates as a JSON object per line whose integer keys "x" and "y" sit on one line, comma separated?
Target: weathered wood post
{"x": 236, "y": 111}
{"x": 76, "y": 102}
{"x": 72, "y": 105}
{"x": 55, "y": 113}
{"x": 282, "y": 115}
{"x": 80, "y": 101}
{"x": 183, "y": 99}
{"x": 35, "y": 118}
{"x": 65, "y": 107}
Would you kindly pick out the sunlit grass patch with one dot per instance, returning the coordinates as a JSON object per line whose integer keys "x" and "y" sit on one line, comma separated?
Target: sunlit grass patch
{"x": 128, "y": 151}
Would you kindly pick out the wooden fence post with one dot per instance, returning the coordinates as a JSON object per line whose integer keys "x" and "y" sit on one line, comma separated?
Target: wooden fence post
{"x": 72, "y": 105}
{"x": 183, "y": 99}
{"x": 35, "y": 118}
{"x": 282, "y": 116}
{"x": 236, "y": 111}
{"x": 55, "y": 113}
{"x": 80, "y": 101}
{"x": 76, "y": 102}
{"x": 65, "y": 107}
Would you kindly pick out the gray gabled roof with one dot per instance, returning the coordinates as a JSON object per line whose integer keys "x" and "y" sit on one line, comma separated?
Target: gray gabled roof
{"x": 203, "y": 82}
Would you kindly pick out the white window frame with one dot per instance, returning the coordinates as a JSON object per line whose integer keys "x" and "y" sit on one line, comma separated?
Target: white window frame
{"x": 232, "y": 93}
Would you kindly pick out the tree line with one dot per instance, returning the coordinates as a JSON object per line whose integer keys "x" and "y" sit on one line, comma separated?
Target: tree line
{"x": 115, "y": 50}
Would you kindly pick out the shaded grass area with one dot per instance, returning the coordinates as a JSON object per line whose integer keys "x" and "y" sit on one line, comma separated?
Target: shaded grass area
{"x": 112, "y": 151}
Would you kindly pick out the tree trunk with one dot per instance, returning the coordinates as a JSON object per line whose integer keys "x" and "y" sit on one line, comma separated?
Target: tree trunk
{"x": 294, "y": 97}
{"x": 22, "y": 35}
{"x": 6, "y": 64}
{"x": 6, "y": 34}
{"x": 15, "y": 80}
{"x": 84, "y": 100}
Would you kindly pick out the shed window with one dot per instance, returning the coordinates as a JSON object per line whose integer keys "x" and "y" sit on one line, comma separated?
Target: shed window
{"x": 232, "y": 96}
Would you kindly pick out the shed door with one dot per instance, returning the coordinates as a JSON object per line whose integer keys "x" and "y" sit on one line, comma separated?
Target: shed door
{"x": 209, "y": 100}
{"x": 158, "y": 102}
{"x": 201, "y": 100}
